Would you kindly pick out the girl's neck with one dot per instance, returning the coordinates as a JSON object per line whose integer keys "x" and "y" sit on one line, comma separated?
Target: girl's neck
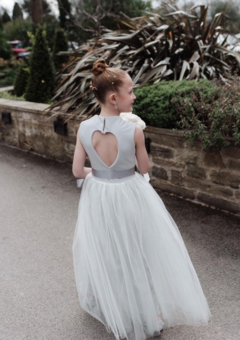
{"x": 108, "y": 112}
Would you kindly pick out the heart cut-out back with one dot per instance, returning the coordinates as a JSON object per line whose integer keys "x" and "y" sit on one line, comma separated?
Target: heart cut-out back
{"x": 106, "y": 147}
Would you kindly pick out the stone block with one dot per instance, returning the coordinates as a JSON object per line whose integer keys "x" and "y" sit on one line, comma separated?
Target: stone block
{"x": 234, "y": 165}
{"x": 23, "y": 143}
{"x": 176, "y": 177}
{"x": 195, "y": 171}
{"x": 208, "y": 187}
{"x": 220, "y": 191}
{"x": 196, "y": 184}
{"x": 213, "y": 159}
{"x": 198, "y": 146}
{"x": 177, "y": 190}
{"x": 226, "y": 178}
{"x": 219, "y": 203}
{"x": 160, "y": 151}
{"x": 167, "y": 163}
{"x": 159, "y": 172}
{"x": 231, "y": 151}
{"x": 187, "y": 156}
{"x": 171, "y": 141}
{"x": 237, "y": 195}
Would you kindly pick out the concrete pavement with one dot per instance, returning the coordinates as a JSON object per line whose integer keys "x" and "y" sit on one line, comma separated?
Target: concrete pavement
{"x": 38, "y": 298}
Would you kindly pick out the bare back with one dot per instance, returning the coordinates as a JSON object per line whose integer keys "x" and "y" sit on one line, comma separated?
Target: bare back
{"x": 106, "y": 146}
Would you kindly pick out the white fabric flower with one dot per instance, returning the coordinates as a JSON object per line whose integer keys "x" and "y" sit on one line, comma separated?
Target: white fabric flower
{"x": 131, "y": 117}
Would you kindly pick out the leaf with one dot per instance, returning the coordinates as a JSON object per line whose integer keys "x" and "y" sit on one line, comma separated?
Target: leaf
{"x": 185, "y": 67}
{"x": 179, "y": 50}
{"x": 180, "y": 12}
{"x": 162, "y": 27}
{"x": 152, "y": 47}
{"x": 194, "y": 57}
{"x": 195, "y": 70}
{"x": 164, "y": 62}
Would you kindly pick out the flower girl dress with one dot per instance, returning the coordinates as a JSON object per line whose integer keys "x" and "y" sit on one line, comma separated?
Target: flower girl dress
{"x": 132, "y": 269}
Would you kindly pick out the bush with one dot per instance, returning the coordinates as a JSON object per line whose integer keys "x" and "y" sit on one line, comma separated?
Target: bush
{"x": 17, "y": 30}
{"x": 41, "y": 82}
{"x": 5, "y": 49}
{"x": 7, "y": 95}
{"x": 60, "y": 44}
{"x": 21, "y": 80}
{"x": 10, "y": 75}
{"x": 213, "y": 122}
{"x": 154, "y": 104}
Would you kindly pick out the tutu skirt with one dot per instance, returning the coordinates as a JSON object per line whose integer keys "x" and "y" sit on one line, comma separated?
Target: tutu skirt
{"x": 132, "y": 269}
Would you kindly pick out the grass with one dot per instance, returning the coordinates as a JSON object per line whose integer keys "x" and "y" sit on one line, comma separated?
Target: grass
{"x": 8, "y": 95}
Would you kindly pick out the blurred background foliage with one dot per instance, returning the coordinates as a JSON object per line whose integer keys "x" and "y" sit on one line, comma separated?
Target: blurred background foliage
{"x": 185, "y": 76}
{"x": 175, "y": 45}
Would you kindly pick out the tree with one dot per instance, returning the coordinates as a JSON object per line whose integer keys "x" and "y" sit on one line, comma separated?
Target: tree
{"x": 5, "y": 17}
{"x": 27, "y": 7}
{"x": 41, "y": 82}
{"x": 231, "y": 10}
{"x": 21, "y": 79}
{"x": 18, "y": 30}
{"x": 91, "y": 15}
{"x": 187, "y": 6}
{"x": 5, "y": 49}
{"x": 60, "y": 44}
{"x": 64, "y": 13}
{"x": 17, "y": 12}
{"x": 37, "y": 12}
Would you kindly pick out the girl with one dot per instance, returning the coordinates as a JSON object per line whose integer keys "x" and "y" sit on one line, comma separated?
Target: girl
{"x": 133, "y": 272}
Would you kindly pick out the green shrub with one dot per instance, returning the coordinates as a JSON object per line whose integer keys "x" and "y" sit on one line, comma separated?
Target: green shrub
{"x": 17, "y": 30}
{"x": 216, "y": 123}
{"x": 5, "y": 49}
{"x": 60, "y": 44}
{"x": 154, "y": 104}
{"x": 41, "y": 82}
{"x": 8, "y": 95}
{"x": 8, "y": 80}
{"x": 21, "y": 80}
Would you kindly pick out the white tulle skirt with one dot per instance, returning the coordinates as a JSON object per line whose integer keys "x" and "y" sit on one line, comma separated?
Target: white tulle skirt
{"x": 133, "y": 272}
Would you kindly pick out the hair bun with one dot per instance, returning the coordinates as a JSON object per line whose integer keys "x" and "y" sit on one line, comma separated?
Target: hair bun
{"x": 99, "y": 67}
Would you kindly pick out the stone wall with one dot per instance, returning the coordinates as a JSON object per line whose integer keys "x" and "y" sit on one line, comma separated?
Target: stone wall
{"x": 211, "y": 178}
{"x": 30, "y": 132}
{"x": 206, "y": 177}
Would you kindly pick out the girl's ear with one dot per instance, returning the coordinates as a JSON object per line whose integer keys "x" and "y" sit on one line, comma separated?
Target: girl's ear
{"x": 112, "y": 98}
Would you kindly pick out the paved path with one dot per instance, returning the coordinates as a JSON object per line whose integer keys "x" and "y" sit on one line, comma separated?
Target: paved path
{"x": 38, "y": 299}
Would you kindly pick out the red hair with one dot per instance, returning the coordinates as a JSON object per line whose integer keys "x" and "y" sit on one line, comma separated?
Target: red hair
{"x": 105, "y": 79}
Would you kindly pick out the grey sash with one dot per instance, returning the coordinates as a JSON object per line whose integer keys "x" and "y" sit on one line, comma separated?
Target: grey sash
{"x": 113, "y": 174}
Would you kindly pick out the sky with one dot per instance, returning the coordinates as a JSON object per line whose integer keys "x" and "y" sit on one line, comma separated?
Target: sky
{"x": 8, "y": 4}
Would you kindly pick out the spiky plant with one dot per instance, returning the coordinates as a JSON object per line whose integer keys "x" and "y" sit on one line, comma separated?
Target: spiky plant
{"x": 173, "y": 46}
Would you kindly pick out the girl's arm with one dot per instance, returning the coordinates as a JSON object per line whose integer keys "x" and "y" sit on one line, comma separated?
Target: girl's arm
{"x": 78, "y": 168}
{"x": 142, "y": 161}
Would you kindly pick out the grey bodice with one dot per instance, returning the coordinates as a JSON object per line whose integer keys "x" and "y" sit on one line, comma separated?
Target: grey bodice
{"x": 124, "y": 164}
